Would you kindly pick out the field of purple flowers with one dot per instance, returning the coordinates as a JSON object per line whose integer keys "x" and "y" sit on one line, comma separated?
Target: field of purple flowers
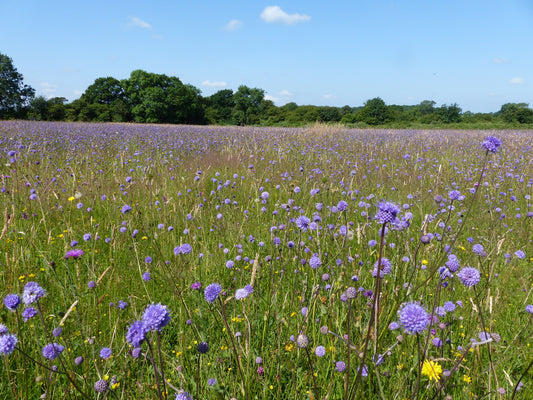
{"x": 155, "y": 262}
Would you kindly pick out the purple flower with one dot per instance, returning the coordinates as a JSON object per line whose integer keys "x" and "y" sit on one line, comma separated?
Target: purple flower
{"x": 146, "y": 276}
{"x": 32, "y": 292}
{"x": 452, "y": 263}
{"x": 100, "y": 386}
{"x": 203, "y": 347}
{"x": 12, "y": 301}
{"x": 387, "y": 212}
{"x": 105, "y": 353}
{"x": 136, "y": 334}
{"x": 342, "y": 205}
{"x": 184, "y": 395}
{"x": 122, "y": 304}
{"x": 520, "y": 254}
{"x": 413, "y": 318}
{"x": 7, "y": 344}
{"x": 155, "y": 317}
{"x": 529, "y": 308}
{"x": 385, "y": 269}
{"x": 75, "y": 253}
{"x": 52, "y": 350}
{"x": 491, "y": 143}
{"x": 126, "y": 209}
{"x": 340, "y": 366}
{"x": 196, "y": 285}
{"x": 320, "y": 351}
{"x": 314, "y": 262}
{"x": 479, "y": 250}
{"x": 449, "y": 306}
{"x": 454, "y": 195}
{"x": 29, "y": 313}
{"x": 186, "y": 248}
{"x": 302, "y": 222}
{"x": 469, "y": 276}
{"x": 241, "y": 294}
{"x": 212, "y": 291}
{"x": 87, "y": 237}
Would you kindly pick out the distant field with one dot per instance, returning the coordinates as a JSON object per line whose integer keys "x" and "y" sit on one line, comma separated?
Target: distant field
{"x": 226, "y": 262}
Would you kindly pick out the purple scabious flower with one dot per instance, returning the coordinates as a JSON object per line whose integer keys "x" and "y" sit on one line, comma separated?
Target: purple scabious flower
{"x": 155, "y": 317}
{"x": 32, "y": 292}
{"x": 78, "y": 360}
{"x": 52, "y": 350}
{"x": 203, "y": 347}
{"x": 454, "y": 195}
{"x": 302, "y": 222}
{"x": 452, "y": 263}
{"x": 105, "y": 353}
{"x": 479, "y": 250}
{"x": 491, "y": 143}
{"x": 529, "y": 308}
{"x": 196, "y": 285}
{"x": 100, "y": 386}
{"x": 413, "y": 317}
{"x": 184, "y": 395}
{"x": 12, "y": 301}
{"x": 136, "y": 334}
{"x": 75, "y": 253}
{"x": 29, "y": 313}
{"x": 314, "y": 262}
{"x": 122, "y": 304}
{"x": 342, "y": 205}
{"x": 520, "y": 254}
{"x": 87, "y": 237}
{"x": 212, "y": 291}
{"x": 249, "y": 289}
{"x": 241, "y": 294}
{"x": 340, "y": 366}
{"x": 186, "y": 248}
{"x": 449, "y": 306}
{"x": 8, "y": 343}
{"x": 146, "y": 276}
{"x": 469, "y": 276}
{"x": 387, "y": 212}
{"x": 126, "y": 209}
{"x": 385, "y": 269}
{"x": 320, "y": 351}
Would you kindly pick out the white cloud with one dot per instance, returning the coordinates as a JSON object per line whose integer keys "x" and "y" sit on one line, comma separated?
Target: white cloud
{"x": 233, "y": 25}
{"x": 517, "y": 81}
{"x": 271, "y": 98}
{"x": 48, "y": 89}
{"x": 501, "y": 60}
{"x": 274, "y": 14}
{"x": 285, "y": 93}
{"x": 214, "y": 84}
{"x": 139, "y": 23}
{"x": 329, "y": 96}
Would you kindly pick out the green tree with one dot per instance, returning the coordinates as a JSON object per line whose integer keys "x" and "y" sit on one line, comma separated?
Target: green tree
{"x": 104, "y": 91}
{"x": 516, "y": 112}
{"x": 374, "y": 112}
{"x": 38, "y": 109}
{"x": 248, "y": 105}
{"x": 15, "y": 96}
{"x": 220, "y": 106}
{"x": 449, "y": 114}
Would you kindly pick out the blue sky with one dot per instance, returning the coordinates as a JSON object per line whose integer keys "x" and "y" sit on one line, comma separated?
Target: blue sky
{"x": 476, "y": 53}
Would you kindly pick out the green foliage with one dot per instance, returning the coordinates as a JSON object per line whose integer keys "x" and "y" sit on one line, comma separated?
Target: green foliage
{"x": 375, "y": 112}
{"x": 15, "y": 96}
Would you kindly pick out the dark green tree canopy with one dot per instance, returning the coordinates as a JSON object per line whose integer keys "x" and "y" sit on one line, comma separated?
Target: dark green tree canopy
{"x": 15, "y": 96}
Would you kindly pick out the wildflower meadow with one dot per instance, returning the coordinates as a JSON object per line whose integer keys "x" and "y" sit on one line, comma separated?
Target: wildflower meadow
{"x": 181, "y": 262}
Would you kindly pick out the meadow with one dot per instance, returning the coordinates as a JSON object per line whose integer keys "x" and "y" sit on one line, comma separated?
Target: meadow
{"x": 193, "y": 262}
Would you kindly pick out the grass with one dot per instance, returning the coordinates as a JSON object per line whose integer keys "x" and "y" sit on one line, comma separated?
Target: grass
{"x": 204, "y": 186}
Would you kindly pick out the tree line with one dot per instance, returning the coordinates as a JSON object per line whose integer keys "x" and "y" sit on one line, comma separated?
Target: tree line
{"x": 147, "y": 97}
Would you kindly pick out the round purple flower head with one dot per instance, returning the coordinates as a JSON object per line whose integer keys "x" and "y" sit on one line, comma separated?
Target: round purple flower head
{"x": 12, "y": 301}
{"x": 146, "y": 276}
{"x": 32, "y": 292}
{"x": 126, "y": 208}
{"x": 7, "y": 344}
{"x": 155, "y": 317}
{"x": 136, "y": 334}
{"x": 340, "y": 366}
{"x": 387, "y": 212}
{"x": 52, "y": 350}
{"x": 479, "y": 250}
{"x": 29, "y": 313}
{"x": 75, "y": 253}
{"x": 100, "y": 386}
{"x": 183, "y": 396}
{"x": 105, "y": 353}
{"x": 314, "y": 262}
{"x": 320, "y": 351}
{"x": 491, "y": 143}
{"x": 203, "y": 347}
{"x": 302, "y": 222}
{"x": 529, "y": 308}
{"x": 469, "y": 276}
{"x": 413, "y": 318}
{"x": 385, "y": 269}
{"x": 212, "y": 291}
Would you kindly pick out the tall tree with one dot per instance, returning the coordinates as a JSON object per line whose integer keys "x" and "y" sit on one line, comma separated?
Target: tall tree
{"x": 248, "y": 104}
{"x": 374, "y": 112}
{"x": 15, "y": 96}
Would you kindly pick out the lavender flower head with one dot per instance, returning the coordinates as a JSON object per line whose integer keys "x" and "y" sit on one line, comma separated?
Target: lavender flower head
{"x": 241, "y": 294}
{"x": 105, "y": 353}
{"x": 32, "y": 292}
{"x": 52, "y": 350}
{"x": 491, "y": 144}
{"x": 385, "y": 268}
{"x": 469, "y": 276}
{"x": 7, "y": 344}
{"x": 212, "y": 291}
{"x": 413, "y": 317}
{"x": 75, "y": 253}
{"x": 12, "y": 301}
{"x": 136, "y": 334}
{"x": 302, "y": 222}
{"x": 100, "y": 386}
{"x": 183, "y": 396}
{"x": 387, "y": 212}
{"x": 29, "y": 313}
{"x": 155, "y": 317}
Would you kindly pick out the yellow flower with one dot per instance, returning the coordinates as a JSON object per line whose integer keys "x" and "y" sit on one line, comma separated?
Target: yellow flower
{"x": 432, "y": 370}
{"x": 467, "y": 379}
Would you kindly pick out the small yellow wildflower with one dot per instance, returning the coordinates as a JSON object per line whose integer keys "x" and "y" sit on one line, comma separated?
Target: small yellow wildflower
{"x": 467, "y": 379}
{"x": 432, "y": 370}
